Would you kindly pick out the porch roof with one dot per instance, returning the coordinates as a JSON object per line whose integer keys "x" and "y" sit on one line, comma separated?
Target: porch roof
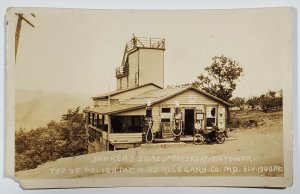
{"x": 113, "y": 109}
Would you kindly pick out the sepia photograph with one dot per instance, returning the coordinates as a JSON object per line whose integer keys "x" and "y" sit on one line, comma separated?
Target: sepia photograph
{"x": 105, "y": 98}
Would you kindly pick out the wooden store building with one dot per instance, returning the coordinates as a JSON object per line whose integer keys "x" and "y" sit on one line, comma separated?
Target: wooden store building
{"x": 117, "y": 119}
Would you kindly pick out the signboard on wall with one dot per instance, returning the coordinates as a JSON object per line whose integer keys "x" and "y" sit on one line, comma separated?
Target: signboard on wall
{"x": 199, "y": 116}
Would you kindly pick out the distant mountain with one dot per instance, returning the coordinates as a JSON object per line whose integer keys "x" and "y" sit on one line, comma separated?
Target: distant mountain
{"x": 36, "y": 108}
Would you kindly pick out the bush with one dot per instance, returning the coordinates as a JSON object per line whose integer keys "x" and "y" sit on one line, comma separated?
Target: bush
{"x": 59, "y": 139}
{"x": 234, "y": 123}
{"x": 245, "y": 123}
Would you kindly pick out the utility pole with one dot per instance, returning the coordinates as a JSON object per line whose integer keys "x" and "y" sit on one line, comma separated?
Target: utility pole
{"x": 18, "y": 30}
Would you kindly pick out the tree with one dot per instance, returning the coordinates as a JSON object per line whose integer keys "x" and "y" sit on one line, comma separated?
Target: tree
{"x": 238, "y": 102}
{"x": 271, "y": 94}
{"x": 266, "y": 102}
{"x": 72, "y": 116}
{"x": 220, "y": 78}
{"x": 270, "y": 100}
{"x": 253, "y": 102}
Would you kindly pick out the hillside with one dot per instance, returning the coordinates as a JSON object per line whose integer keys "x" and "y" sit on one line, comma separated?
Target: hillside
{"x": 36, "y": 108}
{"x": 256, "y": 151}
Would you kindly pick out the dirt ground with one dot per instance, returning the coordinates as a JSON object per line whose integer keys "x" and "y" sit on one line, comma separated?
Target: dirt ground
{"x": 253, "y": 151}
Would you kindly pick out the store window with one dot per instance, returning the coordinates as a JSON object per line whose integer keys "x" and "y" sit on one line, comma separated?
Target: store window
{"x": 211, "y": 116}
{"x": 165, "y": 114}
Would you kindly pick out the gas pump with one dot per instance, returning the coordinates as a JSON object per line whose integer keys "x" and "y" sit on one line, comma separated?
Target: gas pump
{"x": 198, "y": 138}
{"x": 177, "y": 124}
{"x": 147, "y": 136}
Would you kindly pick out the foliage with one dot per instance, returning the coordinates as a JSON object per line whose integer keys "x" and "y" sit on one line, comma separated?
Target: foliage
{"x": 253, "y": 118}
{"x": 245, "y": 123}
{"x": 238, "y": 102}
{"x": 59, "y": 139}
{"x": 253, "y": 102}
{"x": 270, "y": 100}
{"x": 266, "y": 101}
{"x": 220, "y": 78}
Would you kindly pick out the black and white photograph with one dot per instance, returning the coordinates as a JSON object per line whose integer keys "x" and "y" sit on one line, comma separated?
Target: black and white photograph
{"x": 106, "y": 98}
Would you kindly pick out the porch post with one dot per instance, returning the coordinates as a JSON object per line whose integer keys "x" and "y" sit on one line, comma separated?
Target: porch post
{"x": 108, "y": 131}
{"x": 88, "y": 117}
{"x": 109, "y": 124}
{"x": 228, "y": 120}
{"x": 97, "y": 121}
{"x": 93, "y": 119}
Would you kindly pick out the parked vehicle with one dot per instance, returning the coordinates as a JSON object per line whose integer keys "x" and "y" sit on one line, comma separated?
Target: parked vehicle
{"x": 210, "y": 136}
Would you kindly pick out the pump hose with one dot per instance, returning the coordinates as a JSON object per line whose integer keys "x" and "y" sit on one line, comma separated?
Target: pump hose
{"x": 180, "y": 128}
{"x": 149, "y": 130}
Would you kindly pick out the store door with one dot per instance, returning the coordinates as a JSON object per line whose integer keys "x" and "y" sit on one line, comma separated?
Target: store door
{"x": 189, "y": 122}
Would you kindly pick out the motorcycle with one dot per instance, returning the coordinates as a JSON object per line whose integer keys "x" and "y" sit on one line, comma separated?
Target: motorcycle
{"x": 214, "y": 136}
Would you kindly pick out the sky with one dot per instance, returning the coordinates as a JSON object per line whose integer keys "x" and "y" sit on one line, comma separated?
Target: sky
{"x": 77, "y": 50}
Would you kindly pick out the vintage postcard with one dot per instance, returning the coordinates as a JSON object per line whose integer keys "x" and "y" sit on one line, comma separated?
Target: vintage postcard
{"x": 105, "y": 98}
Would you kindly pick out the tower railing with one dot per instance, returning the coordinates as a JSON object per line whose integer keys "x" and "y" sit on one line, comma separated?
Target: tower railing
{"x": 145, "y": 42}
{"x": 122, "y": 70}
